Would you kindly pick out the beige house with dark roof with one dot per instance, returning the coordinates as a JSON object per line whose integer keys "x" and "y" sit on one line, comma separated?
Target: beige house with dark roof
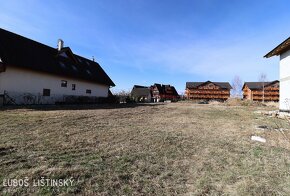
{"x": 33, "y": 73}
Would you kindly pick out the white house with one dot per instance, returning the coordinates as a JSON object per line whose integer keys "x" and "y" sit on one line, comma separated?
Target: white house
{"x": 283, "y": 50}
{"x": 33, "y": 73}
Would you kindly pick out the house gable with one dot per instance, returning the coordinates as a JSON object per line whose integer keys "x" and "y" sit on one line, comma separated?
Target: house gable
{"x": 193, "y": 85}
{"x": 274, "y": 84}
{"x": 67, "y": 53}
{"x": 245, "y": 87}
{"x": 208, "y": 85}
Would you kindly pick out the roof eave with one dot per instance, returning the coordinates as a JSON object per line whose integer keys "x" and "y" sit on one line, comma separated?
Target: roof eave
{"x": 281, "y": 48}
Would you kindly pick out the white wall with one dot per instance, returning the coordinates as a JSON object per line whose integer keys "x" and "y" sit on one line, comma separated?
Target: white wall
{"x": 284, "y": 101}
{"x": 17, "y": 81}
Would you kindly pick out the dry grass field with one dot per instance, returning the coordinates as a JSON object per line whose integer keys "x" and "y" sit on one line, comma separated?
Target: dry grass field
{"x": 164, "y": 149}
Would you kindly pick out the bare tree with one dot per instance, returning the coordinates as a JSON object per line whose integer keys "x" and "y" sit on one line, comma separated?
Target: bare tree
{"x": 263, "y": 79}
{"x": 123, "y": 95}
{"x": 237, "y": 85}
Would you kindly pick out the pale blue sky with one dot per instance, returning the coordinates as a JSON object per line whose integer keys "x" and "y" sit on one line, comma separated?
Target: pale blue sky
{"x": 160, "y": 41}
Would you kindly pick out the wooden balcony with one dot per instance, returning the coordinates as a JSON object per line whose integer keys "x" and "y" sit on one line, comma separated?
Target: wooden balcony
{"x": 208, "y": 97}
{"x": 208, "y": 93}
{"x": 266, "y": 93}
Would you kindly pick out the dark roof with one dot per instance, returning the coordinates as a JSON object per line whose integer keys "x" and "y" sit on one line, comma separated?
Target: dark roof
{"x": 139, "y": 91}
{"x": 159, "y": 87}
{"x": 193, "y": 84}
{"x": 281, "y": 48}
{"x": 16, "y": 50}
{"x": 258, "y": 85}
{"x": 162, "y": 89}
{"x": 224, "y": 85}
{"x": 139, "y": 86}
{"x": 174, "y": 91}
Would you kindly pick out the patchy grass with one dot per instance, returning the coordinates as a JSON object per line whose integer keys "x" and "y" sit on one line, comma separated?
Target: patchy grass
{"x": 171, "y": 149}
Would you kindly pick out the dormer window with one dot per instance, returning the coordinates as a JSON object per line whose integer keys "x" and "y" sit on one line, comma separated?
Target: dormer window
{"x": 74, "y": 68}
{"x": 62, "y": 64}
{"x": 67, "y": 53}
{"x": 89, "y": 72}
{"x": 63, "y": 54}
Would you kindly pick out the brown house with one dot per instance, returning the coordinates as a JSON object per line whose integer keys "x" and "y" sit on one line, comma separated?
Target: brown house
{"x": 162, "y": 92}
{"x": 208, "y": 90}
{"x": 254, "y": 91}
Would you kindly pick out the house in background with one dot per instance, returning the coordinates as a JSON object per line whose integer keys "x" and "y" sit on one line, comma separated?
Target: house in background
{"x": 208, "y": 90}
{"x": 259, "y": 91}
{"x": 161, "y": 92}
{"x": 33, "y": 73}
{"x": 283, "y": 50}
{"x": 154, "y": 93}
{"x": 141, "y": 93}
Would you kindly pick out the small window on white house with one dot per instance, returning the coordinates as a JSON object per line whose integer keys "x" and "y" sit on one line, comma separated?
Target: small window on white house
{"x": 73, "y": 87}
{"x": 88, "y": 91}
{"x": 46, "y": 92}
{"x": 63, "y": 83}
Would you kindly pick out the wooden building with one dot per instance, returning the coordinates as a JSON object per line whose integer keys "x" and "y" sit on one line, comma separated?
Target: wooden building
{"x": 162, "y": 92}
{"x": 208, "y": 90}
{"x": 259, "y": 91}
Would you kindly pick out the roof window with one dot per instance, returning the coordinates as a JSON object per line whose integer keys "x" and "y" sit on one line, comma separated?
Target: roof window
{"x": 62, "y": 64}
{"x": 74, "y": 68}
{"x": 63, "y": 54}
{"x": 89, "y": 72}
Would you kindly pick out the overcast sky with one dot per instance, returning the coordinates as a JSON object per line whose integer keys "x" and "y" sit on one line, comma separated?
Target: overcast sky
{"x": 160, "y": 41}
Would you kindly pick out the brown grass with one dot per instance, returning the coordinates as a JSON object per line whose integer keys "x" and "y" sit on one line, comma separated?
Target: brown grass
{"x": 170, "y": 149}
